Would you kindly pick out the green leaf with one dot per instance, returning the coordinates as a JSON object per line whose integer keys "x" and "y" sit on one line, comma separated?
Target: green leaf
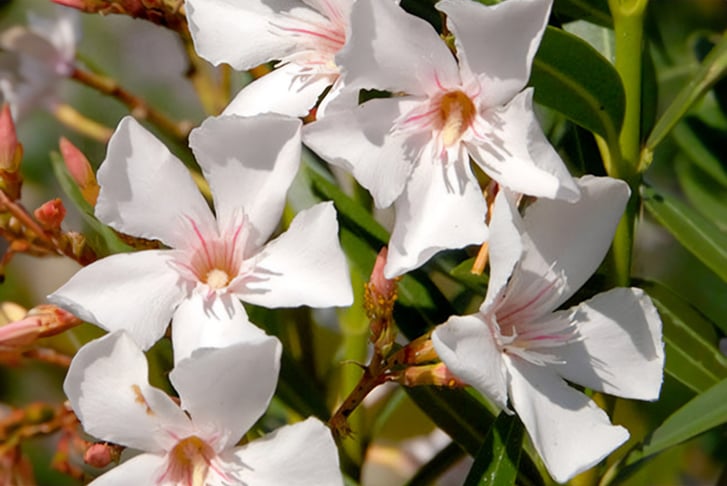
{"x": 704, "y": 412}
{"x": 498, "y": 458}
{"x": 690, "y": 341}
{"x": 595, "y": 11}
{"x": 707, "y": 196}
{"x": 695, "y": 232}
{"x": 457, "y": 413}
{"x": 466, "y": 420}
{"x": 710, "y": 71}
{"x": 702, "y": 144}
{"x": 463, "y": 273}
{"x": 102, "y": 239}
{"x": 444, "y": 460}
{"x": 572, "y": 78}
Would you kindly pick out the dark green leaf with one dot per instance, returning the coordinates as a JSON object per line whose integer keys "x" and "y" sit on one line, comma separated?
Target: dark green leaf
{"x": 102, "y": 239}
{"x": 711, "y": 70}
{"x": 695, "y": 232}
{"x": 572, "y": 78}
{"x": 438, "y": 465}
{"x": 463, "y": 274}
{"x": 690, "y": 341}
{"x": 707, "y": 196}
{"x": 702, "y": 145}
{"x": 498, "y": 458}
{"x": 595, "y": 11}
{"x": 704, "y": 412}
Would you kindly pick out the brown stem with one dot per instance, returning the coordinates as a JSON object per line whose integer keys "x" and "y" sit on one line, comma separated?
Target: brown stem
{"x": 139, "y": 108}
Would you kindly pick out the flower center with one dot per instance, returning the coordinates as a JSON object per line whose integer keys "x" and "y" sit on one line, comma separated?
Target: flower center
{"x": 456, "y": 114}
{"x": 189, "y": 462}
{"x": 217, "y": 278}
{"x": 215, "y": 260}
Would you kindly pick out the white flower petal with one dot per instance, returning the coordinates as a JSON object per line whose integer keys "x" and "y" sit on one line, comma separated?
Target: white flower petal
{"x": 567, "y": 428}
{"x": 338, "y": 98}
{"x": 201, "y": 322}
{"x": 465, "y": 344}
{"x": 360, "y": 141}
{"x": 63, "y": 30}
{"x": 146, "y": 191}
{"x": 565, "y": 242}
{"x": 620, "y": 351}
{"x": 303, "y": 266}
{"x": 391, "y": 50}
{"x": 249, "y": 163}
{"x": 302, "y": 454}
{"x": 518, "y": 156}
{"x": 498, "y": 42}
{"x": 226, "y": 390}
{"x": 288, "y": 90}
{"x": 134, "y": 292}
{"x": 441, "y": 208}
{"x": 505, "y": 245}
{"x": 137, "y": 470}
{"x": 108, "y": 388}
{"x": 24, "y": 42}
{"x": 242, "y": 34}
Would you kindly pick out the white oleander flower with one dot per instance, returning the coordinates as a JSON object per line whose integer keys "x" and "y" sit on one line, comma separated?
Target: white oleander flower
{"x": 222, "y": 393}
{"x": 413, "y": 149}
{"x": 519, "y": 350}
{"x": 36, "y": 58}
{"x": 302, "y": 35}
{"x": 213, "y": 260}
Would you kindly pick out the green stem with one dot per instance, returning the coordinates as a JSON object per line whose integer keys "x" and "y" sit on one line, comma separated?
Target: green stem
{"x": 628, "y": 21}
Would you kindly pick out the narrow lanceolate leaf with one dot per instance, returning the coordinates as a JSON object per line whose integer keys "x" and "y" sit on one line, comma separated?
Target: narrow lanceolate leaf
{"x": 712, "y": 69}
{"x": 695, "y": 232}
{"x": 704, "y": 412}
{"x": 102, "y": 239}
{"x": 498, "y": 458}
{"x": 690, "y": 341}
{"x": 702, "y": 145}
{"x": 595, "y": 97}
{"x": 707, "y": 196}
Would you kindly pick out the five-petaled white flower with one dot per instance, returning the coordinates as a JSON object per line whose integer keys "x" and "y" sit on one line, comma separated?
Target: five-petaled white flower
{"x": 213, "y": 260}
{"x": 303, "y": 35}
{"x": 518, "y": 346}
{"x": 413, "y": 149}
{"x": 222, "y": 393}
{"x": 36, "y": 58}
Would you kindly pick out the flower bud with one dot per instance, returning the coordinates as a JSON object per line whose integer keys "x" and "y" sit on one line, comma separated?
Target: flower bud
{"x": 379, "y": 297}
{"x": 50, "y": 215}
{"x": 11, "y": 153}
{"x": 80, "y": 170}
{"x": 101, "y": 454}
{"x": 41, "y": 321}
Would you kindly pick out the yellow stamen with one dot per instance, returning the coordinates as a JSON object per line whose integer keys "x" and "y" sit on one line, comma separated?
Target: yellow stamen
{"x": 456, "y": 113}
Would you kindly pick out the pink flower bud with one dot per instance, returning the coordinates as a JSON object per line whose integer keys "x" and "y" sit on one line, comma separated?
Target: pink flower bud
{"x": 50, "y": 215}
{"x": 101, "y": 454}
{"x": 80, "y": 170}
{"x": 9, "y": 161}
{"x": 11, "y": 153}
{"x": 79, "y": 4}
{"x": 41, "y": 321}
